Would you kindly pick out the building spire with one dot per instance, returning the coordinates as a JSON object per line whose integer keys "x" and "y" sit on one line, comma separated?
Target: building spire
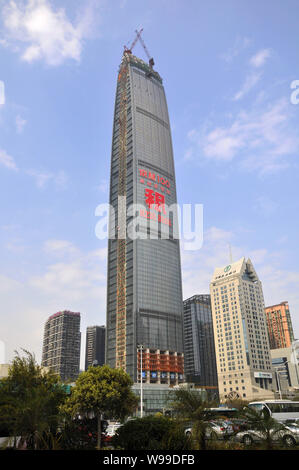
{"x": 230, "y": 254}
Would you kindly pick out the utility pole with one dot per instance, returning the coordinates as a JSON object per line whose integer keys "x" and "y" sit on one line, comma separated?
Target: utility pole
{"x": 278, "y": 383}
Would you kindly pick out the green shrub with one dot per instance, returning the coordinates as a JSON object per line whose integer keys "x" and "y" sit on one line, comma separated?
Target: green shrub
{"x": 151, "y": 433}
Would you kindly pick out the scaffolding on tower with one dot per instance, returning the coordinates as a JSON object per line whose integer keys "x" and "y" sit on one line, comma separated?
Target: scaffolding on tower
{"x": 121, "y": 229}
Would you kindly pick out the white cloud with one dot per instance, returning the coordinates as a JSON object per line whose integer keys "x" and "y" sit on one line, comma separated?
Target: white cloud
{"x": 251, "y": 80}
{"x": 222, "y": 144}
{"x": 239, "y": 45}
{"x": 263, "y": 139}
{"x": 41, "y": 178}
{"x": 61, "y": 180}
{"x": 198, "y": 267}
{"x": 103, "y": 186}
{"x": 278, "y": 283}
{"x": 59, "y": 247}
{"x": 188, "y": 155}
{"x": 215, "y": 234}
{"x": 61, "y": 276}
{"x": 76, "y": 282}
{"x": 256, "y": 61}
{"x": 8, "y": 285}
{"x": 79, "y": 284}
{"x": 15, "y": 246}
{"x": 77, "y": 274}
{"x": 101, "y": 254}
{"x": 265, "y": 205}
{"x": 7, "y": 161}
{"x": 20, "y": 124}
{"x": 44, "y": 33}
{"x": 259, "y": 59}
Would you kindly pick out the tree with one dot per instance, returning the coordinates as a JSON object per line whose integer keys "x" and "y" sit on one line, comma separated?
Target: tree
{"x": 78, "y": 434}
{"x": 237, "y": 403}
{"x": 151, "y": 433}
{"x": 189, "y": 405}
{"x": 102, "y": 391}
{"x": 263, "y": 423}
{"x": 30, "y": 398}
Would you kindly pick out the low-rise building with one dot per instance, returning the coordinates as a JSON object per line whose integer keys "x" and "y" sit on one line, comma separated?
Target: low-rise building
{"x": 285, "y": 364}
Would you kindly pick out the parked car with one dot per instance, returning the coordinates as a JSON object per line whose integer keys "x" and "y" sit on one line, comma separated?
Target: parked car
{"x": 289, "y": 436}
{"x": 216, "y": 429}
{"x": 219, "y": 430}
{"x": 238, "y": 424}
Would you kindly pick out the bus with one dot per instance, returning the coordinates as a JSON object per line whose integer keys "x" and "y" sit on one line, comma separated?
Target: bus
{"x": 223, "y": 412}
{"x": 281, "y": 410}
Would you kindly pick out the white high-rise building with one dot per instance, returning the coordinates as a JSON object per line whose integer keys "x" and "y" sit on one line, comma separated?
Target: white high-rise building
{"x": 240, "y": 333}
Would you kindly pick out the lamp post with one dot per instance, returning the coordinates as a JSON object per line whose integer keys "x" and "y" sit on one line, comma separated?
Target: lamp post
{"x": 278, "y": 383}
{"x": 140, "y": 350}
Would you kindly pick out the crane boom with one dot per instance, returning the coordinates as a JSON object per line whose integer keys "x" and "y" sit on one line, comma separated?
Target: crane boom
{"x": 138, "y": 36}
{"x": 138, "y": 33}
{"x": 151, "y": 60}
{"x": 129, "y": 49}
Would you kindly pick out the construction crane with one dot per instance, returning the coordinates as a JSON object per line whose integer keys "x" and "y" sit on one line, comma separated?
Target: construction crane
{"x": 129, "y": 50}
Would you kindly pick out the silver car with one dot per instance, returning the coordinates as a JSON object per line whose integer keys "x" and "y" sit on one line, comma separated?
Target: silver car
{"x": 217, "y": 429}
{"x": 289, "y": 436}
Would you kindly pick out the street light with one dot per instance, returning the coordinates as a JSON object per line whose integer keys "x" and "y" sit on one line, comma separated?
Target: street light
{"x": 278, "y": 383}
{"x": 140, "y": 350}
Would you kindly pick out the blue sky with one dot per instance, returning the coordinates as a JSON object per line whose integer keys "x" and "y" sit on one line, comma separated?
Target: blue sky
{"x": 227, "y": 68}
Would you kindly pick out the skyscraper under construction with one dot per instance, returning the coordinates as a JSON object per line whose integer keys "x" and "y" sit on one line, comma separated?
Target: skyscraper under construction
{"x": 61, "y": 345}
{"x": 144, "y": 293}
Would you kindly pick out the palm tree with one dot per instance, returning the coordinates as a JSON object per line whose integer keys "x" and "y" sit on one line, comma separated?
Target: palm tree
{"x": 188, "y": 405}
{"x": 260, "y": 421}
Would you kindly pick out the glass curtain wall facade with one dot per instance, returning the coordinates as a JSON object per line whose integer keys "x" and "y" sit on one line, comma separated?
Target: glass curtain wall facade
{"x": 144, "y": 293}
{"x": 199, "y": 348}
{"x": 95, "y": 346}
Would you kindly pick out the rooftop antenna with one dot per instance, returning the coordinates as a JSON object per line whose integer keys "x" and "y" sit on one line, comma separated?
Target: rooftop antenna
{"x": 230, "y": 254}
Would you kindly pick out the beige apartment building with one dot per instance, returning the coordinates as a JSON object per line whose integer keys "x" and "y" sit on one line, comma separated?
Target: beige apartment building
{"x": 240, "y": 333}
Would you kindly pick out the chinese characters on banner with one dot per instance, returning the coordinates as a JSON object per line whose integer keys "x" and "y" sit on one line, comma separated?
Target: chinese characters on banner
{"x": 154, "y": 196}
